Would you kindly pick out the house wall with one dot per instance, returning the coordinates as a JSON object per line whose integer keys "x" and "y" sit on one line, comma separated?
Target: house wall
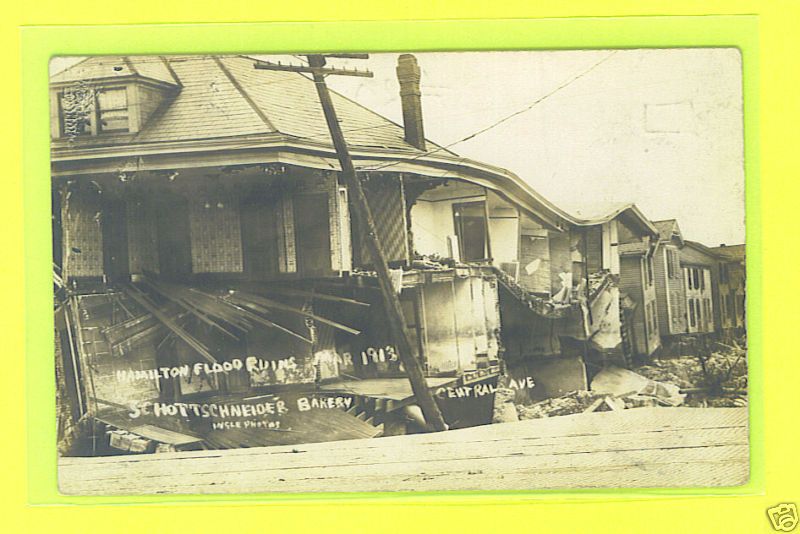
{"x": 633, "y": 281}
{"x": 534, "y": 257}
{"x": 709, "y": 296}
{"x": 81, "y": 220}
{"x": 701, "y": 299}
{"x": 432, "y": 224}
{"x": 602, "y": 247}
{"x": 142, "y": 235}
{"x": 387, "y": 203}
{"x": 611, "y": 247}
{"x": 142, "y": 102}
{"x": 737, "y": 285}
{"x": 460, "y": 323}
{"x": 651, "y": 317}
{"x": 215, "y": 225}
{"x": 670, "y": 293}
{"x": 561, "y": 260}
{"x": 630, "y": 282}
{"x": 504, "y": 229}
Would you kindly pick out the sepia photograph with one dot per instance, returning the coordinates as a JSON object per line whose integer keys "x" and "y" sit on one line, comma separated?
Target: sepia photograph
{"x": 438, "y": 271}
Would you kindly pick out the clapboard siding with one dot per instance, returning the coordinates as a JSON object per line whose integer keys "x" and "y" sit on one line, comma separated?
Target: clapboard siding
{"x": 630, "y": 282}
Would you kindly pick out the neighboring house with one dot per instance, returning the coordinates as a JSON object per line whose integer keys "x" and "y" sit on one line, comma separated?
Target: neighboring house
{"x": 670, "y": 282}
{"x": 620, "y": 241}
{"x": 701, "y": 282}
{"x": 732, "y": 288}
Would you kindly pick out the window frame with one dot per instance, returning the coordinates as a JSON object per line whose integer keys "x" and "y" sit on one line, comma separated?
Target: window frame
{"x": 95, "y": 112}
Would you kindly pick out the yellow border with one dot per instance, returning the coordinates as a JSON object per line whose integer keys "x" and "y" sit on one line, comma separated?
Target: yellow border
{"x": 775, "y": 470}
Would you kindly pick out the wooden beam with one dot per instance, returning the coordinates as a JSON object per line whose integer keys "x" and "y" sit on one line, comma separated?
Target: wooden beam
{"x": 242, "y": 297}
{"x": 190, "y": 340}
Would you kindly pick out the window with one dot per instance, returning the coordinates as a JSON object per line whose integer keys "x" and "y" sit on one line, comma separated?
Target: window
{"x": 673, "y": 263}
{"x": 692, "y": 313}
{"x": 112, "y": 106}
{"x": 649, "y": 270}
{"x": 707, "y": 313}
{"x": 470, "y": 225}
{"x": 723, "y": 312}
{"x": 88, "y": 111}
{"x": 76, "y": 108}
{"x": 732, "y": 306}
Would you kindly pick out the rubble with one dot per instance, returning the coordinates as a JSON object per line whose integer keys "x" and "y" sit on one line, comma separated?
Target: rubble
{"x": 505, "y": 411}
{"x": 572, "y": 402}
{"x": 716, "y": 380}
{"x": 624, "y": 383}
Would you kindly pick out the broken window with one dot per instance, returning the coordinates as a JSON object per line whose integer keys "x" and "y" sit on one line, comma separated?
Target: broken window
{"x": 470, "y": 225}
{"x": 86, "y": 111}
{"x": 76, "y": 111}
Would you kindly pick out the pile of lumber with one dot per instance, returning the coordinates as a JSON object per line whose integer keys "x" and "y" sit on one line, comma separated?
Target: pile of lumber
{"x": 229, "y": 312}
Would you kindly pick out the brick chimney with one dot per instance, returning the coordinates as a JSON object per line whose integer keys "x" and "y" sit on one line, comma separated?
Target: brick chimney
{"x": 408, "y": 74}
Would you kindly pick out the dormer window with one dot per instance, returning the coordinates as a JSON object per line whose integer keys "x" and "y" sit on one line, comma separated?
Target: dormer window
{"x": 88, "y": 111}
{"x": 109, "y": 96}
{"x": 112, "y": 109}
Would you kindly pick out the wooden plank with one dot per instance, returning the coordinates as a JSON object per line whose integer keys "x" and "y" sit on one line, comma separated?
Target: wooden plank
{"x": 143, "y": 301}
{"x": 645, "y": 447}
{"x": 250, "y": 299}
{"x": 164, "y": 436}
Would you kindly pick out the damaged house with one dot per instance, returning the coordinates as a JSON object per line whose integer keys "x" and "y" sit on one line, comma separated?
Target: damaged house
{"x": 212, "y": 289}
{"x": 618, "y": 245}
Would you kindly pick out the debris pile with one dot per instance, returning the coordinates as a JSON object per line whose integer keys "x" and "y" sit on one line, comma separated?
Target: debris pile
{"x": 623, "y": 383}
{"x": 572, "y": 402}
{"x": 505, "y": 411}
{"x": 718, "y": 379}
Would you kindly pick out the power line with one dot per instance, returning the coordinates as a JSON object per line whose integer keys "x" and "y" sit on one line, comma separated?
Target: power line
{"x": 504, "y": 119}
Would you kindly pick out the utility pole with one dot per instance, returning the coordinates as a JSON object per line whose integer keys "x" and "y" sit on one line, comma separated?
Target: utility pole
{"x": 397, "y": 324}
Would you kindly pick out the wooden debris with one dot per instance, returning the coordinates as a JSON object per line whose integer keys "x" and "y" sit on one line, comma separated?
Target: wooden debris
{"x": 167, "y": 321}
{"x": 264, "y": 304}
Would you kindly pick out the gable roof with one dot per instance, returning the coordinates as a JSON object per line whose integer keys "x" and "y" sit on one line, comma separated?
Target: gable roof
{"x": 703, "y": 249}
{"x": 731, "y": 252}
{"x": 599, "y": 213}
{"x": 667, "y": 229}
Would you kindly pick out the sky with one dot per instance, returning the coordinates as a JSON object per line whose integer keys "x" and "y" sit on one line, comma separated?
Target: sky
{"x": 660, "y": 128}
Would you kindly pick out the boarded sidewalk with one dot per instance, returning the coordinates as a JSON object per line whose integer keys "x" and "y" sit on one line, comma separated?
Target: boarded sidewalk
{"x": 645, "y": 447}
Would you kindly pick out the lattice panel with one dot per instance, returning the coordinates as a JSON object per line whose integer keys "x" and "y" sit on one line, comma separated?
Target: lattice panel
{"x": 385, "y": 197}
{"x": 216, "y": 233}
{"x": 83, "y": 235}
